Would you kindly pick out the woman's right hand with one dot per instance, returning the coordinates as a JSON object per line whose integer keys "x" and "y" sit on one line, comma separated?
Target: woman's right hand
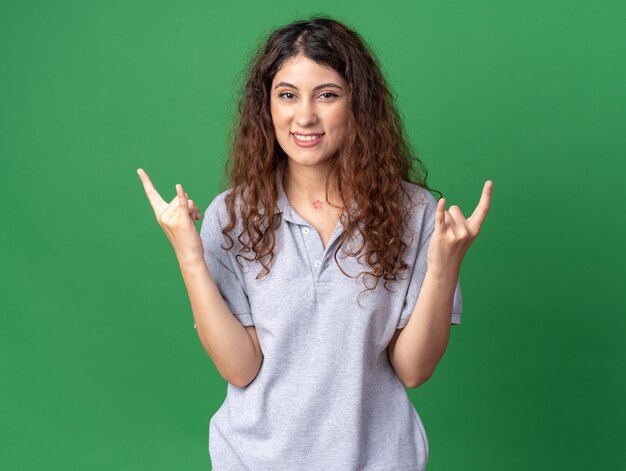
{"x": 177, "y": 219}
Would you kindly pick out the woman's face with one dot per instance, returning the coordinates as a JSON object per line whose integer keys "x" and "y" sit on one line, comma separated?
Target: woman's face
{"x": 309, "y": 107}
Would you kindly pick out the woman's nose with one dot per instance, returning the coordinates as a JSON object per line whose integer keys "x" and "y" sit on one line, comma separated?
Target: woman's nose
{"x": 305, "y": 115}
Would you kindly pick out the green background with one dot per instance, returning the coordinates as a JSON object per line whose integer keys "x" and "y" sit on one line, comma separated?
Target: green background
{"x": 100, "y": 366}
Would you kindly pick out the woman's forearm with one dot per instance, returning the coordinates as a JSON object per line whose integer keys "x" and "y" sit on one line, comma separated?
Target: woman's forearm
{"x": 423, "y": 341}
{"x": 222, "y": 335}
{"x": 416, "y": 350}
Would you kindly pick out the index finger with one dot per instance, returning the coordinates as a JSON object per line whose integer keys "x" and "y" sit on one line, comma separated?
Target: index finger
{"x": 479, "y": 214}
{"x": 440, "y": 215}
{"x": 182, "y": 198}
{"x": 153, "y": 195}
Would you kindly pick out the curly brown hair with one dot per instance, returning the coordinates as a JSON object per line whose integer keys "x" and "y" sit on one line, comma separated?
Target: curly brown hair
{"x": 368, "y": 170}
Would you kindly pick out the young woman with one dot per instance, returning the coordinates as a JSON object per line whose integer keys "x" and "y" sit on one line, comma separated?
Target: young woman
{"x": 325, "y": 280}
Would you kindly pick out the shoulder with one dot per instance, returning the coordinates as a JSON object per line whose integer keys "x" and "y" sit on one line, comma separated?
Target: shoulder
{"x": 217, "y": 207}
{"x": 421, "y": 204}
{"x": 418, "y": 193}
{"x": 215, "y": 215}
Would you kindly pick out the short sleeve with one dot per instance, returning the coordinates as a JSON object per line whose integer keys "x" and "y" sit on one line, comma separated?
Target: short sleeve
{"x": 419, "y": 271}
{"x": 222, "y": 264}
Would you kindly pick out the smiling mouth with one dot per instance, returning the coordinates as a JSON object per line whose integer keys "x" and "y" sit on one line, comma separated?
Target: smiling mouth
{"x": 304, "y": 138}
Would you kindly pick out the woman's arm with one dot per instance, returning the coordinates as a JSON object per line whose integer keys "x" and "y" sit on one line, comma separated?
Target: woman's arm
{"x": 234, "y": 349}
{"x": 415, "y": 350}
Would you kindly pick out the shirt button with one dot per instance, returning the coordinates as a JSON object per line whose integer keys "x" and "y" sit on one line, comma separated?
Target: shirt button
{"x": 318, "y": 263}
{"x": 305, "y": 230}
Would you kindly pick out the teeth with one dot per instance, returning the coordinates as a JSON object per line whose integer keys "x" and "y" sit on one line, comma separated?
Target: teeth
{"x": 307, "y": 138}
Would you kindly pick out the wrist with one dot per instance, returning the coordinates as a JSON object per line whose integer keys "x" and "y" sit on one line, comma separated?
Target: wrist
{"x": 441, "y": 274}
{"x": 191, "y": 263}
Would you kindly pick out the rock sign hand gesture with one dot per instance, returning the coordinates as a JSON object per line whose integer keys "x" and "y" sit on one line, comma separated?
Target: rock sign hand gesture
{"x": 454, "y": 234}
{"x": 177, "y": 219}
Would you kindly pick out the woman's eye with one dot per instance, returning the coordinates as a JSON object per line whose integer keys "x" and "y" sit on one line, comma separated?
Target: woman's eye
{"x": 290, "y": 96}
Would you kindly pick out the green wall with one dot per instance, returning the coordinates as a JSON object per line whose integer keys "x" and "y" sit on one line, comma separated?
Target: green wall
{"x": 100, "y": 366}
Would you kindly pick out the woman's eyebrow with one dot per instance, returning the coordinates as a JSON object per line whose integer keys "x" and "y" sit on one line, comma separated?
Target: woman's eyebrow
{"x": 324, "y": 85}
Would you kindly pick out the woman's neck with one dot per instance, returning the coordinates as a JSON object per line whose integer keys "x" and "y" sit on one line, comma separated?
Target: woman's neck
{"x": 306, "y": 185}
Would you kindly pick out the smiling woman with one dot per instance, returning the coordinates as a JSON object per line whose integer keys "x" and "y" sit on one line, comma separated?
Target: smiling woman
{"x": 325, "y": 280}
{"x": 309, "y": 105}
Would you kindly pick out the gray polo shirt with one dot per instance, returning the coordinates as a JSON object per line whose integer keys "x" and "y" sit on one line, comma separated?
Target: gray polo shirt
{"x": 326, "y": 396}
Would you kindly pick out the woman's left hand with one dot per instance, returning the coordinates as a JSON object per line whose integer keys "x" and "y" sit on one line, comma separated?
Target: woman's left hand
{"x": 454, "y": 234}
